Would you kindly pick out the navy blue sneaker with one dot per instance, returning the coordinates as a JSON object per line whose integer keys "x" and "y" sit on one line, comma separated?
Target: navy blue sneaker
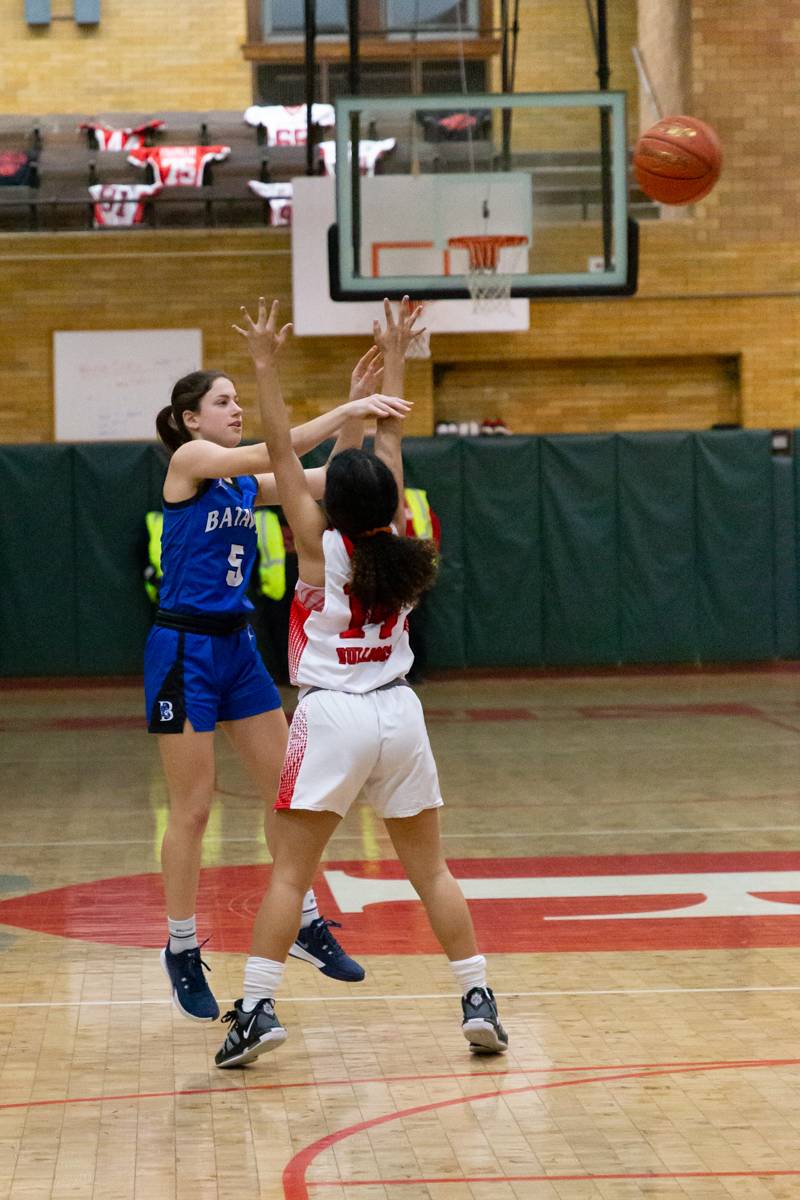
{"x": 191, "y": 995}
{"x": 481, "y": 1025}
{"x": 250, "y": 1034}
{"x": 317, "y": 945}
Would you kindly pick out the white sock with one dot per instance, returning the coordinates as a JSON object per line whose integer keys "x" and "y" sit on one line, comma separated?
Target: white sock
{"x": 470, "y": 972}
{"x": 262, "y": 978}
{"x": 310, "y": 910}
{"x": 182, "y": 934}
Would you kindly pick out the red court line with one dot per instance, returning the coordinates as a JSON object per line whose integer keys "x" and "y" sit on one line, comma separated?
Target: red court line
{"x": 350, "y": 1081}
{"x": 295, "y": 1186}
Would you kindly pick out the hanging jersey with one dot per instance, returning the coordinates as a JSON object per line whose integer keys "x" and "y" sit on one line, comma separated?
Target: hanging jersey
{"x": 208, "y": 547}
{"x": 16, "y": 168}
{"x": 108, "y": 138}
{"x": 178, "y": 166}
{"x": 286, "y": 124}
{"x": 369, "y": 153}
{"x": 340, "y": 647}
{"x": 121, "y": 204}
{"x": 279, "y": 198}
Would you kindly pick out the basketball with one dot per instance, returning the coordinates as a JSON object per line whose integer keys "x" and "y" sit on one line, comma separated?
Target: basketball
{"x": 678, "y": 160}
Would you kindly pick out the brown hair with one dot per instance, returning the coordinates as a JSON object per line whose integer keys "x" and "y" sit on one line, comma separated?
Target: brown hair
{"x": 388, "y": 572}
{"x": 186, "y": 396}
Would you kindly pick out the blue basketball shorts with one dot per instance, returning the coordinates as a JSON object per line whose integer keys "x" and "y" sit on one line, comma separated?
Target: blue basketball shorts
{"x": 204, "y": 678}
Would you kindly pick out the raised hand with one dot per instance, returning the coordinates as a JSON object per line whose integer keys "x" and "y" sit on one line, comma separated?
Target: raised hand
{"x": 263, "y": 337}
{"x": 379, "y": 406}
{"x": 399, "y": 333}
{"x": 366, "y": 377}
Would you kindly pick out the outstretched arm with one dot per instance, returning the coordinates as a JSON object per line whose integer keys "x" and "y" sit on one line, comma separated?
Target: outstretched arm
{"x": 393, "y": 341}
{"x": 264, "y": 341}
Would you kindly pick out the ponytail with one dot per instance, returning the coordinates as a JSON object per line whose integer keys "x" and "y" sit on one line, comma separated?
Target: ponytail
{"x": 390, "y": 572}
{"x": 168, "y": 431}
{"x": 186, "y": 396}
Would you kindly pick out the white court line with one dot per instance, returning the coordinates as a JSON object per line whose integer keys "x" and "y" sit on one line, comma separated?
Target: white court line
{"x": 522, "y": 833}
{"x": 672, "y": 991}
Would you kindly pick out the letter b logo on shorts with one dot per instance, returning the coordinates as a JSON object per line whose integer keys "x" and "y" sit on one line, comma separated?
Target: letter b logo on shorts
{"x": 165, "y": 709}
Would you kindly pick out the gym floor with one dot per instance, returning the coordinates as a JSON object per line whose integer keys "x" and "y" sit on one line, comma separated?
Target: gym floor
{"x": 628, "y": 844}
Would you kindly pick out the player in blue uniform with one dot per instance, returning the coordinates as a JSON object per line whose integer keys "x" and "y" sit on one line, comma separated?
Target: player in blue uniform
{"x": 201, "y": 662}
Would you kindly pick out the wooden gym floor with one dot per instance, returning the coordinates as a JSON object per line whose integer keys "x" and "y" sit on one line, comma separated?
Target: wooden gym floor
{"x": 629, "y": 846}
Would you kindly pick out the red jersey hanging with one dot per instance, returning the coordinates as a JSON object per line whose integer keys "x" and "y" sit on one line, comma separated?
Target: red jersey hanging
{"x": 178, "y": 166}
{"x": 108, "y": 138}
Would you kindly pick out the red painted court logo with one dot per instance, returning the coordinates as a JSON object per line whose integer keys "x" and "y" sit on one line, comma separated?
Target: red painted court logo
{"x": 519, "y": 905}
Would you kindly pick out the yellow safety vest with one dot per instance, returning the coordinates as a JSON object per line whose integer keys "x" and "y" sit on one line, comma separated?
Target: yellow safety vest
{"x": 153, "y": 575}
{"x": 271, "y": 554}
{"x": 417, "y": 501}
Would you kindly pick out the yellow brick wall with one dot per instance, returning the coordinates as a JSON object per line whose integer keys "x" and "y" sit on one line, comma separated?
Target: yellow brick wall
{"x": 143, "y": 56}
{"x": 556, "y": 54}
{"x": 712, "y": 334}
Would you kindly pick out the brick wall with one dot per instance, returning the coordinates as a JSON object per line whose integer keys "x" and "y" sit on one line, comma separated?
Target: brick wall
{"x": 143, "y": 56}
{"x": 713, "y": 333}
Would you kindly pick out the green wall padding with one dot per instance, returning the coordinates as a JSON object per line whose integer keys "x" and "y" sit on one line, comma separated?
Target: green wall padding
{"x": 112, "y": 491}
{"x": 38, "y": 577}
{"x": 654, "y": 548}
{"x": 502, "y": 551}
{"x": 657, "y": 575}
{"x": 787, "y": 633}
{"x": 436, "y": 464}
{"x": 579, "y": 550}
{"x": 735, "y": 545}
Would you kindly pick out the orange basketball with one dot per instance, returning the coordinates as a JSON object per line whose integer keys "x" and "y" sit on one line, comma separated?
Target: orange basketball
{"x": 678, "y": 160}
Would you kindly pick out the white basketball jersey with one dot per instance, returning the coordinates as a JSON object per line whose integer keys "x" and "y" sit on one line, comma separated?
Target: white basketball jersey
{"x": 338, "y": 647}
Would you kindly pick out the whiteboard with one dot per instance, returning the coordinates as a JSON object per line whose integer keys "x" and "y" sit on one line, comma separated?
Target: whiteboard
{"x": 110, "y": 384}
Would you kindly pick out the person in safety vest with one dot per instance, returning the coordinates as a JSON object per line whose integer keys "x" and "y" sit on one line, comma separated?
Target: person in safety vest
{"x": 421, "y": 522}
{"x": 271, "y": 554}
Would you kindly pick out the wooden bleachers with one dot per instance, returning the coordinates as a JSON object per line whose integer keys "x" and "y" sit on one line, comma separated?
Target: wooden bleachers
{"x": 566, "y": 184}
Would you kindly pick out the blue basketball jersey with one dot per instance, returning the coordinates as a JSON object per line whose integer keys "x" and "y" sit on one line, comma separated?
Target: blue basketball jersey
{"x": 208, "y": 546}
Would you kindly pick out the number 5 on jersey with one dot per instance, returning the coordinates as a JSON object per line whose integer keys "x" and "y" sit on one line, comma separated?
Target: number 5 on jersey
{"x": 235, "y": 577}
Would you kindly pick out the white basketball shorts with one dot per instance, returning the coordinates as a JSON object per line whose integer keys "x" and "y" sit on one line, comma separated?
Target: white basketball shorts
{"x": 341, "y": 744}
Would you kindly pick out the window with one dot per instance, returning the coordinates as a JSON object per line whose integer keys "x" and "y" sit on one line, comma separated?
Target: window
{"x": 401, "y": 18}
{"x": 284, "y": 83}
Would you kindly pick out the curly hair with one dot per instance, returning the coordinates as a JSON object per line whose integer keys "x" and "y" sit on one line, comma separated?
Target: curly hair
{"x": 389, "y": 572}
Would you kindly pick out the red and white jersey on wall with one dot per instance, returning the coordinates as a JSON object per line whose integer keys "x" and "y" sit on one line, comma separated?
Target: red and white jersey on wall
{"x": 178, "y": 166}
{"x": 108, "y": 138}
{"x": 286, "y": 124}
{"x": 279, "y": 198}
{"x": 121, "y": 204}
{"x": 369, "y": 154}
{"x": 333, "y": 642}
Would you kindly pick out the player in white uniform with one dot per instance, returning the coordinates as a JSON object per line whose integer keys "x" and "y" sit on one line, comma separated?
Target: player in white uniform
{"x": 358, "y": 728}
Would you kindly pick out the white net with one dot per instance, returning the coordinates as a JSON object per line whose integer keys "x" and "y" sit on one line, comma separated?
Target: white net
{"x": 490, "y": 290}
{"x": 490, "y": 287}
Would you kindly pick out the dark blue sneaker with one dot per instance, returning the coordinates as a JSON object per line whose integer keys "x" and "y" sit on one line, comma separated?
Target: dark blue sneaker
{"x": 317, "y": 945}
{"x": 191, "y": 995}
{"x": 250, "y": 1034}
{"x": 481, "y": 1025}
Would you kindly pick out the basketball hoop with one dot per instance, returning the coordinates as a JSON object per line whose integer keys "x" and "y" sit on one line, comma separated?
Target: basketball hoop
{"x": 420, "y": 346}
{"x": 489, "y": 288}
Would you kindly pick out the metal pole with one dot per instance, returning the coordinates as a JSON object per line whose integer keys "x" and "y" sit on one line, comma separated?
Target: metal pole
{"x": 603, "y": 76}
{"x": 354, "y": 76}
{"x": 310, "y": 64}
{"x": 505, "y": 85}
